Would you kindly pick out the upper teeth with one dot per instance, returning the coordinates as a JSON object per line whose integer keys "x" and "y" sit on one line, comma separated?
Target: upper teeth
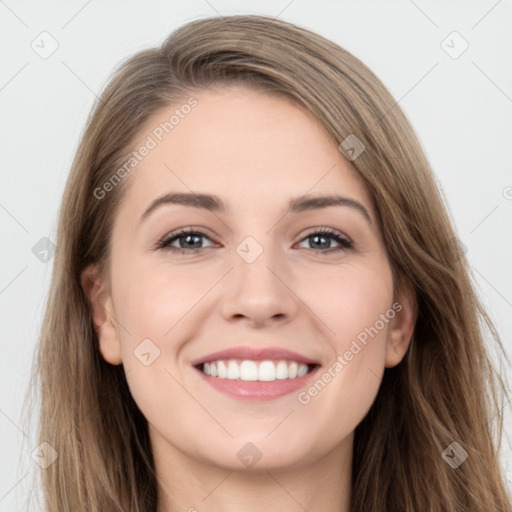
{"x": 251, "y": 370}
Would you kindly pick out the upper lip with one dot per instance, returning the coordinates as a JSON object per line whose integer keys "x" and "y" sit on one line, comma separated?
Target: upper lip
{"x": 255, "y": 354}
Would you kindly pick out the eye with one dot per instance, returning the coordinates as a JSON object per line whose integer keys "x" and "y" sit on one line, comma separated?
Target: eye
{"x": 322, "y": 239}
{"x": 189, "y": 240}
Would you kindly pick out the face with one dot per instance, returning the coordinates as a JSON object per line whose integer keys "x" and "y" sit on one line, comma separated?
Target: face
{"x": 276, "y": 274}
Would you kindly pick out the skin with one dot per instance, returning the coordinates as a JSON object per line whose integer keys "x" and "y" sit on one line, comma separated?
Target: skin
{"x": 256, "y": 151}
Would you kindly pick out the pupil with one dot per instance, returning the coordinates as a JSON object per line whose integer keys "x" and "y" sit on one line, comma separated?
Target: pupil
{"x": 189, "y": 239}
{"x": 315, "y": 238}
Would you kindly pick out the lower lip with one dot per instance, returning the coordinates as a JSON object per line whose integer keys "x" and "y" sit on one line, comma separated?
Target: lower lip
{"x": 258, "y": 390}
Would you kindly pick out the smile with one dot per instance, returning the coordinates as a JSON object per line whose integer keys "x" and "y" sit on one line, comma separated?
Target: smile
{"x": 256, "y": 373}
{"x": 264, "y": 381}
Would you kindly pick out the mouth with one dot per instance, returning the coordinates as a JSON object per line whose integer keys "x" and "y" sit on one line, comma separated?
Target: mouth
{"x": 249, "y": 373}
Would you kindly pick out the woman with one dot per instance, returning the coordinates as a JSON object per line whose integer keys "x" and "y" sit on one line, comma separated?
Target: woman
{"x": 318, "y": 346}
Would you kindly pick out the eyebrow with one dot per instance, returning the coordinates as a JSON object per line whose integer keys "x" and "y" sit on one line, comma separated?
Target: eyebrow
{"x": 215, "y": 204}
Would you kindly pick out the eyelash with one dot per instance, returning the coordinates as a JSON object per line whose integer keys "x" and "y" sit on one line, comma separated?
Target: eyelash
{"x": 164, "y": 244}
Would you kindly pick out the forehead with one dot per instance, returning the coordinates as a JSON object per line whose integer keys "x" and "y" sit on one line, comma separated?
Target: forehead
{"x": 247, "y": 146}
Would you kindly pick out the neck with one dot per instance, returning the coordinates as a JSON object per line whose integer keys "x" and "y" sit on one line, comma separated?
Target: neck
{"x": 188, "y": 484}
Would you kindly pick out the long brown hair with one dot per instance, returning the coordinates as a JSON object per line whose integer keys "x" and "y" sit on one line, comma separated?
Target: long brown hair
{"x": 445, "y": 390}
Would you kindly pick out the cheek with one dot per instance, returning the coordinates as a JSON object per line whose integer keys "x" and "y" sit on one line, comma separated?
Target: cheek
{"x": 356, "y": 307}
{"x": 155, "y": 305}
{"x": 155, "y": 300}
{"x": 159, "y": 307}
{"x": 348, "y": 300}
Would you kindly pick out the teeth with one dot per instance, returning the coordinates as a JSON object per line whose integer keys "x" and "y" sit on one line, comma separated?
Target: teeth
{"x": 222, "y": 371}
{"x": 247, "y": 370}
{"x": 233, "y": 371}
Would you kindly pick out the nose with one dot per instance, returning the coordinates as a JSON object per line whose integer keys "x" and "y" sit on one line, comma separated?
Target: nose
{"x": 259, "y": 292}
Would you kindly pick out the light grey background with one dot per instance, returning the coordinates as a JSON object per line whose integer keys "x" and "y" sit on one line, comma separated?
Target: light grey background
{"x": 460, "y": 106}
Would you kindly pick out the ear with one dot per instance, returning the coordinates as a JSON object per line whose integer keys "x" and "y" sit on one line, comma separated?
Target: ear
{"x": 402, "y": 325}
{"x": 103, "y": 314}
